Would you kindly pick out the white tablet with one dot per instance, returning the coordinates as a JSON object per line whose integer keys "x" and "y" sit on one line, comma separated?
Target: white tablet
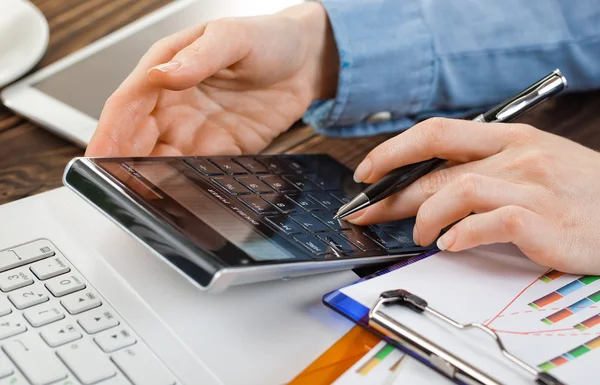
{"x": 67, "y": 96}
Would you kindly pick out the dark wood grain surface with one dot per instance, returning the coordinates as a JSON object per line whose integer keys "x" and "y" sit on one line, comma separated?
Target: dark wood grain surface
{"x": 32, "y": 160}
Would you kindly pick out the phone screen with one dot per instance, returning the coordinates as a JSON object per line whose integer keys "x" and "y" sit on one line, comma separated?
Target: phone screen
{"x": 200, "y": 212}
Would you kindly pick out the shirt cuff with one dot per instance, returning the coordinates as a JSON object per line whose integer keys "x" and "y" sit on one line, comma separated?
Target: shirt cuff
{"x": 386, "y": 73}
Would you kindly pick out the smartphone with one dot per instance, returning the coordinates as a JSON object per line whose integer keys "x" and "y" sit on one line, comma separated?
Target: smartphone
{"x": 224, "y": 221}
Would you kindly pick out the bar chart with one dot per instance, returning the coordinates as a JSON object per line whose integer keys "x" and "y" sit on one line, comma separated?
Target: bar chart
{"x": 572, "y": 309}
{"x": 563, "y": 291}
{"x": 571, "y": 354}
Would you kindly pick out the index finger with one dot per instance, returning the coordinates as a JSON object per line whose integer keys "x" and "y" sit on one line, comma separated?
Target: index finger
{"x": 450, "y": 139}
{"x": 136, "y": 97}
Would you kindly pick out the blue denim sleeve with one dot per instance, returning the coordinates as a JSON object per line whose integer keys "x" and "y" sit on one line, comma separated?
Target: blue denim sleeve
{"x": 405, "y": 61}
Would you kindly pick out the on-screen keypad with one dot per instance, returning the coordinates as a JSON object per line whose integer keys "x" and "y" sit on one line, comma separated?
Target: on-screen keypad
{"x": 297, "y": 198}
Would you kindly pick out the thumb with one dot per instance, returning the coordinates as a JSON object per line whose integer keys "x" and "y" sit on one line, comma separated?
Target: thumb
{"x": 222, "y": 44}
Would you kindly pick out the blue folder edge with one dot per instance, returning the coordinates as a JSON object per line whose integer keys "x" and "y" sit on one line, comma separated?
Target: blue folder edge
{"x": 359, "y": 314}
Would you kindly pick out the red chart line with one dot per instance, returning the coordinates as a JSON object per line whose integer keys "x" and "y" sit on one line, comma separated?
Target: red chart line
{"x": 514, "y": 299}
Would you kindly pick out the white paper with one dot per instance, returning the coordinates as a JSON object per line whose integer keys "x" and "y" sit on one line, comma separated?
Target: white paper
{"x": 494, "y": 284}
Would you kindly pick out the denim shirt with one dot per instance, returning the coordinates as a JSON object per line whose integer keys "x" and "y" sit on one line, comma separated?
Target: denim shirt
{"x": 402, "y": 61}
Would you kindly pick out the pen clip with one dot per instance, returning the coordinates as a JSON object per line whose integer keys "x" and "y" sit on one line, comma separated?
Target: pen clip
{"x": 546, "y": 88}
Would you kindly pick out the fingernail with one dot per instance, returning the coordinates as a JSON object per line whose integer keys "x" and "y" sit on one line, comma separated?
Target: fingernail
{"x": 416, "y": 235}
{"x": 362, "y": 171}
{"x": 354, "y": 217}
{"x": 447, "y": 240}
{"x": 166, "y": 67}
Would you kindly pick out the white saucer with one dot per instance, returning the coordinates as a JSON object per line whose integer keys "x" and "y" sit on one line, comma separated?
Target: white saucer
{"x": 23, "y": 39}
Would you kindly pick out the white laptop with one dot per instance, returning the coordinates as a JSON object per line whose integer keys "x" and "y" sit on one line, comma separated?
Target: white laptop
{"x": 82, "y": 302}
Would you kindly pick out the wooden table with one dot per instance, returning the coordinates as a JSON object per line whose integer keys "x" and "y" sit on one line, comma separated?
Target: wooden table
{"x": 32, "y": 160}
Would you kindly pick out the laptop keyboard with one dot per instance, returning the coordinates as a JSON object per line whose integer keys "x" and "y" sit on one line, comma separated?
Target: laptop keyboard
{"x": 299, "y": 202}
{"x": 56, "y": 329}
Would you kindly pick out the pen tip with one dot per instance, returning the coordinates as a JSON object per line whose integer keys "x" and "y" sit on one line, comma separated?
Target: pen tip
{"x": 336, "y": 216}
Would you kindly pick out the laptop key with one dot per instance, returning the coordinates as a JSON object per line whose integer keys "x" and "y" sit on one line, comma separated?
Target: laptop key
{"x": 230, "y": 185}
{"x": 86, "y": 361}
{"x": 252, "y": 165}
{"x": 36, "y": 360}
{"x": 5, "y": 307}
{"x": 50, "y": 268}
{"x": 60, "y": 333}
{"x": 282, "y": 204}
{"x": 325, "y": 199}
{"x": 11, "y": 325}
{"x": 15, "y": 279}
{"x": 64, "y": 284}
{"x": 43, "y": 314}
{"x": 229, "y": 166}
{"x": 334, "y": 224}
{"x": 28, "y": 297}
{"x": 301, "y": 183}
{"x": 112, "y": 340}
{"x": 254, "y": 184}
{"x": 258, "y": 205}
{"x": 24, "y": 254}
{"x": 312, "y": 243}
{"x": 305, "y": 202}
{"x": 204, "y": 167}
{"x": 98, "y": 320}
{"x": 80, "y": 302}
{"x": 285, "y": 224}
{"x": 142, "y": 367}
{"x": 309, "y": 222}
{"x": 278, "y": 183}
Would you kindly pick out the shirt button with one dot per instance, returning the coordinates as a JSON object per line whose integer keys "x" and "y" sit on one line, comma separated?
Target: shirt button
{"x": 381, "y": 116}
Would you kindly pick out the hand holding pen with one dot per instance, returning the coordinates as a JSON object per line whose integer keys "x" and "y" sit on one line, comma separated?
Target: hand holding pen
{"x": 506, "y": 111}
{"x": 505, "y": 183}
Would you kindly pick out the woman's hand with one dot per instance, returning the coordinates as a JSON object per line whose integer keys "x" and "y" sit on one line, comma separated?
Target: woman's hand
{"x": 525, "y": 186}
{"x": 226, "y": 87}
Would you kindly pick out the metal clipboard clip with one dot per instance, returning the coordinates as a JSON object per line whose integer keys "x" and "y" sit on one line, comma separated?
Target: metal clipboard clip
{"x": 441, "y": 359}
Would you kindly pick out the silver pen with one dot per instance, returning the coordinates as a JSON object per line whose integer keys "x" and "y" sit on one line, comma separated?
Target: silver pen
{"x": 506, "y": 111}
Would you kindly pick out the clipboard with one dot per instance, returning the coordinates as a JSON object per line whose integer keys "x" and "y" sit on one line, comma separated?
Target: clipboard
{"x": 419, "y": 347}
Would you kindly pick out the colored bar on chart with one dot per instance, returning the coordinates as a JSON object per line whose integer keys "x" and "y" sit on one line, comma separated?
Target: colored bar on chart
{"x": 375, "y": 360}
{"x": 563, "y": 291}
{"x": 551, "y": 276}
{"x": 545, "y": 300}
{"x": 558, "y": 316}
{"x": 571, "y": 355}
{"x": 595, "y": 297}
{"x": 579, "y": 351}
{"x": 581, "y": 304}
{"x": 589, "y": 279}
{"x": 570, "y": 287}
{"x": 594, "y": 344}
{"x": 588, "y": 323}
{"x": 574, "y": 308}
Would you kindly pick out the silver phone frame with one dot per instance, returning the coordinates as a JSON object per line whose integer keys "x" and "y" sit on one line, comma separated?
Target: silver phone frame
{"x": 230, "y": 276}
